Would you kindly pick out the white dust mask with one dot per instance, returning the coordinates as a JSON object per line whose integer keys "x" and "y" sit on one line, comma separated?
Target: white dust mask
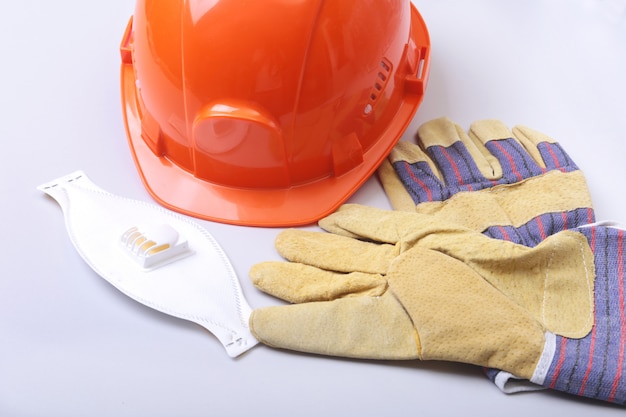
{"x": 157, "y": 257}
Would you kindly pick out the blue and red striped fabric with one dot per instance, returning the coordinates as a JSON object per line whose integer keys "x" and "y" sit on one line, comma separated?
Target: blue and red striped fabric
{"x": 594, "y": 366}
{"x": 538, "y": 229}
{"x": 460, "y": 173}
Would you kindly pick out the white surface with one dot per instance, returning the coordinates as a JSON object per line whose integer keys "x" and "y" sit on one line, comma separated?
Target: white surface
{"x": 72, "y": 345}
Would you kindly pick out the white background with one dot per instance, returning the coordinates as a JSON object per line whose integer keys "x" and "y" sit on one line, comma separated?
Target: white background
{"x": 72, "y": 345}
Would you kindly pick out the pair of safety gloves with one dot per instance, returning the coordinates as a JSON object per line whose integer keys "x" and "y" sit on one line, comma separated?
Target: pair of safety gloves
{"x": 491, "y": 257}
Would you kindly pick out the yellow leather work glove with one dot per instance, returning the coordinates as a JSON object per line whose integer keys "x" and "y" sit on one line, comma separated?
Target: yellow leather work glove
{"x": 517, "y": 185}
{"x": 397, "y": 285}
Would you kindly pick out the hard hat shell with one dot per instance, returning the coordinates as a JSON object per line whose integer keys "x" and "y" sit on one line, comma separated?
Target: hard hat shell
{"x": 268, "y": 113}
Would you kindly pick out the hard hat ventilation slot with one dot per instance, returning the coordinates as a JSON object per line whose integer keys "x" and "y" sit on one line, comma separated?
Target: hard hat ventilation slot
{"x": 384, "y": 72}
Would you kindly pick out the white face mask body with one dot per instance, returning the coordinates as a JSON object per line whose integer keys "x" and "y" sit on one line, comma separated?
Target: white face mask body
{"x": 157, "y": 257}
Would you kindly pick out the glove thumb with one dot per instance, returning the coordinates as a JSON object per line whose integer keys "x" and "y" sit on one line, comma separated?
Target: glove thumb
{"x": 360, "y": 327}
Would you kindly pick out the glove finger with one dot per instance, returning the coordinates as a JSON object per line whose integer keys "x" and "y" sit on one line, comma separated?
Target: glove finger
{"x": 417, "y": 172}
{"x": 368, "y": 223}
{"x": 357, "y": 327}
{"x": 461, "y": 161}
{"x": 298, "y": 283}
{"x": 334, "y": 253}
{"x": 518, "y": 161}
{"x": 400, "y": 195}
{"x": 545, "y": 150}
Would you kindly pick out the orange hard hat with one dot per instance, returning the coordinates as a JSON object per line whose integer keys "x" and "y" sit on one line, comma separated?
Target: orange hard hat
{"x": 268, "y": 113}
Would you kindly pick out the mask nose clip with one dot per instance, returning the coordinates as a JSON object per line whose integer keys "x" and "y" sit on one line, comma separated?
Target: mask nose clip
{"x": 156, "y": 247}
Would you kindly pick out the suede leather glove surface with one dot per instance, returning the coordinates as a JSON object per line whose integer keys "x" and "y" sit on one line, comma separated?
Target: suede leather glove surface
{"x": 397, "y": 285}
{"x": 517, "y": 185}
